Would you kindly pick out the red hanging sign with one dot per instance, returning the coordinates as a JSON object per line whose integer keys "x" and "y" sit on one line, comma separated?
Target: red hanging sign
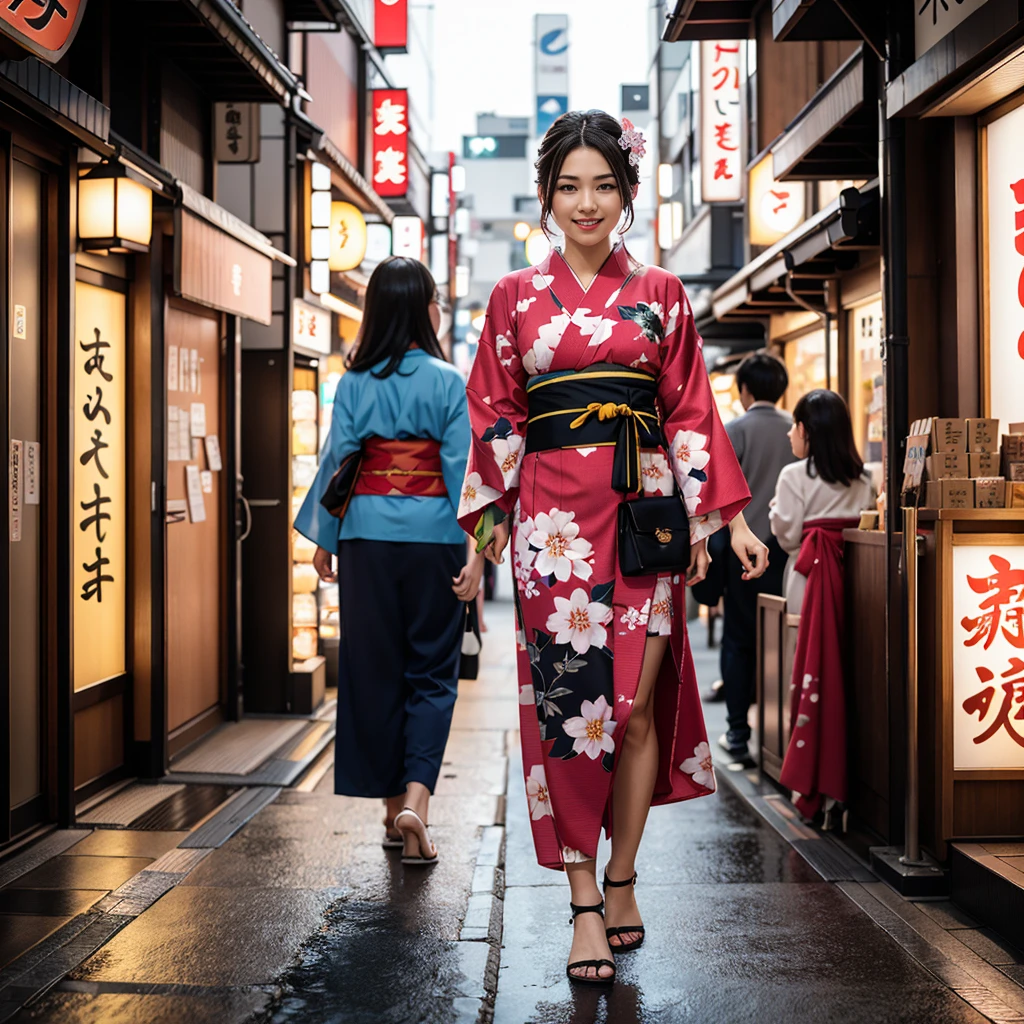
{"x": 391, "y": 25}
{"x": 43, "y": 27}
{"x": 391, "y": 142}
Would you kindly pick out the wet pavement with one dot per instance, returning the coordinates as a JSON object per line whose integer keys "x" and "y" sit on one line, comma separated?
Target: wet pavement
{"x": 301, "y": 917}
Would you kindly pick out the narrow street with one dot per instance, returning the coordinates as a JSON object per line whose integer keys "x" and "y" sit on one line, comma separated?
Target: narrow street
{"x": 301, "y": 917}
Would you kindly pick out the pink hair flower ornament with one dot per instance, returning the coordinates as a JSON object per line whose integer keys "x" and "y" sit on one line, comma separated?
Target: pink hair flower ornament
{"x": 633, "y": 140}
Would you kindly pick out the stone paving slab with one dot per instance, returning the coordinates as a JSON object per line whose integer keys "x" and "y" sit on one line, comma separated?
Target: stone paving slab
{"x": 202, "y": 1007}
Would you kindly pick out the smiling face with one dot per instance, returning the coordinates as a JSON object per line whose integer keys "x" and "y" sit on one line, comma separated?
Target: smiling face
{"x": 586, "y": 204}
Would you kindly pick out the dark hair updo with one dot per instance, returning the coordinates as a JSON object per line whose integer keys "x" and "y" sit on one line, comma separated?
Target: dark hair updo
{"x": 589, "y": 129}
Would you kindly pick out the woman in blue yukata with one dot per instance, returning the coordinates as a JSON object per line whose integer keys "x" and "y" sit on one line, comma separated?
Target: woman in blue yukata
{"x": 401, "y": 555}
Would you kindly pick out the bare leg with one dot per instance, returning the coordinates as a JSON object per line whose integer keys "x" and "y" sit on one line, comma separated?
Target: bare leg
{"x": 589, "y": 942}
{"x": 393, "y": 804}
{"x": 631, "y": 795}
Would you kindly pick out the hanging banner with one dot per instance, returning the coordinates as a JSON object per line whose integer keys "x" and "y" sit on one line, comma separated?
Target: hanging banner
{"x": 43, "y": 27}
{"x": 407, "y": 237}
{"x": 311, "y": 327}
{"x": 551, "y": 69}
{"x": 99, "y": 507}
{"x": 391, "y": 142}
{"x": 1004, "y": 211}
{"x": 391, "y": 25}
{"x": 236, "y": 133}
{"x": 721, "y": 151}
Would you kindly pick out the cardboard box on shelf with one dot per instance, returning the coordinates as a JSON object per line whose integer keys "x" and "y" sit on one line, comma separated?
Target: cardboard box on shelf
{"x": 990, "y": 492}
{"x": 932, "y": 494}
{"x": 1013, "y": 445}
{"x": 982, "y": 435}
{"x": 949, "y": 435}
{"x": 1015, "y": 495}
{"x": 944, "y": 465}
{"x": 1013, "y": 470}
{"x": 1015, "y": 428}
{"x": 984, "y": 464}
{"x": 956, "y": 493}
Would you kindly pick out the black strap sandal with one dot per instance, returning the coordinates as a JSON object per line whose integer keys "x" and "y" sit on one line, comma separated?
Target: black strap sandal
{"x": 624, "y": 947}
{"x": 596, "y": 964}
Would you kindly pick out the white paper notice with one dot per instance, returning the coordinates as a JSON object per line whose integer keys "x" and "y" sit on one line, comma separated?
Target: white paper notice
{"x": 172, "y": 434}
{"x": 198, "y": 419}
{"x": 20, "y": 323}
{"x": 197, "y": 449}
{"x": 207, "y": 478}
{"x": 31, "y": 490}
{"x": 15, "y": 489}
{"x": 172, "y": 367}
{"x": 194, "y": 372}
{"x": 213, "y": 453}
{"x": 194, "y": 486}
{"x": 184, "y": 438}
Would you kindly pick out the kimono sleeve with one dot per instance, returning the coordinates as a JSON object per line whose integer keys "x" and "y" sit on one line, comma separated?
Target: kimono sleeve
{"x": 497, "y": 413}
{"x": 786, "y": 514}
{"x": 314, "y": 522}
{"x": 455, "y": 440}
{"x": 703, "y": 461}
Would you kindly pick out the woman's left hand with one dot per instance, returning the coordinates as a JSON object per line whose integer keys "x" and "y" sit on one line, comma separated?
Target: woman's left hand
{"x": 750, "y": 550}
{"x": 467, "y": 583}
{"x": 700, "y": 562}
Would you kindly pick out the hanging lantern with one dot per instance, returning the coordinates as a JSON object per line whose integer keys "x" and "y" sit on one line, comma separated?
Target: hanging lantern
{"x": 115, "y": 212}
{"x": 348, "y": 237}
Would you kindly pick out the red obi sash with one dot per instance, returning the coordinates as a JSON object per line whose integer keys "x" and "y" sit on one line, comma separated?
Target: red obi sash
{"x": 409, "y": 468}
{"x": 815, "y": 762}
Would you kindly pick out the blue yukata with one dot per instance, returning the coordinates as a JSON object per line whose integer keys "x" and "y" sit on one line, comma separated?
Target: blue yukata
{"x": 401, "y": 623}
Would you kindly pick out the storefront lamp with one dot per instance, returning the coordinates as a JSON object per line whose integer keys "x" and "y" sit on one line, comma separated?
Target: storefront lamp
{"x": 537, "y": 247}
{"x": 347, "y": 237}
{"x": 115, "y": 212}
{"x": 521, "y": 231}
{"x": 666, "y": 181}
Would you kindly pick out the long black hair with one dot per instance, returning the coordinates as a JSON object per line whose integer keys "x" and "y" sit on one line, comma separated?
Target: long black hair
{"x": 396, "y": 315}
{"x": 590, "y": 129}
{"x": 832, "y": 453}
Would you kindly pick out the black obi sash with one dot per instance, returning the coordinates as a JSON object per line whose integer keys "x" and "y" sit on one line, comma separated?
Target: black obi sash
{"x": 602, "y": 405}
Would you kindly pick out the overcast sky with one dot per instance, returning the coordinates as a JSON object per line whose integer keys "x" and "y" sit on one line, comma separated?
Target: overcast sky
{"x": 484, "y": 57}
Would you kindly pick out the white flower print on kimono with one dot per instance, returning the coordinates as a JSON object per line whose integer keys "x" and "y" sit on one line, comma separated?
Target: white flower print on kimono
{"x": 673, "y": 319}
{"x": 580, "y": 622}
{"x": 700, "y": 767}
{"x": 592, "y": 730}
{"x": 636, "y": 618}
{"x": 688, "y": 452}
{"x": 562, "y": 551}
{"x": 475, "y": 494}
{"x": 537, "y": 793}
{"x": 523, "y": 558}
{"x": 538, "y": 359}
{"x": 571, "y": 856}
{"x": 508, "y": 453}
{"x": 656, "y": 474}
{"x": 660, "y": 622}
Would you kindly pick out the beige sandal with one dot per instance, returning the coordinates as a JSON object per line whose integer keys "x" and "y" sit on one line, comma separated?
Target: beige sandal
{"x": 418, "y": 830}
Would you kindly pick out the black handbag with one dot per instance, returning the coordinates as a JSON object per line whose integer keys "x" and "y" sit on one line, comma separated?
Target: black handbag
{"x": 469, "y": 664}
{"x": 654, "y": 536}
{"x": 342, "y": 485}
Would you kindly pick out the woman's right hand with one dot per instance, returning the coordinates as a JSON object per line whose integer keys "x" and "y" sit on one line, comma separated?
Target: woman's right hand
{"x": 498, "y": 543}
{"x": 323, "y": 562}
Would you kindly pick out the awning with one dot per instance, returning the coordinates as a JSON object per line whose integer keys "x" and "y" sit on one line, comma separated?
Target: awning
{"x": 313, "y": 12}
{"x": 830, "y": 19}
{"x": 834, "y": 137}
{"x": 709, "y": 19}
{"x": 35, "y": 85}
{"x": 218, "y": 49}
{"x": 797, "y": 268}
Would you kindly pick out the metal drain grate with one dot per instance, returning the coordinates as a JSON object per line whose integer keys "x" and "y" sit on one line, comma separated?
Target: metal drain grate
{"x": 239, "y": 748}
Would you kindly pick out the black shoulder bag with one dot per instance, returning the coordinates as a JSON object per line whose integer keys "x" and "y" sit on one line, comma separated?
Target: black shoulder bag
{"x": 654, "y": 536}
{"x": 343, "y": 484}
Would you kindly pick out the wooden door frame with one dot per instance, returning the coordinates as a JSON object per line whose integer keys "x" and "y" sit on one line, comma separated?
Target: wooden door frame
{"x": 190, "y": 731}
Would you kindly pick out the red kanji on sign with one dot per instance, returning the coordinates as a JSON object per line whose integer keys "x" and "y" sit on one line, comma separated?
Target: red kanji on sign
{"x": 722, "y": 170}
{"x": 390, "y": 142}
{"x": 1005, "y": 586}
{"x": 1013, "y": 693}
{"x": 1018, "y": 195}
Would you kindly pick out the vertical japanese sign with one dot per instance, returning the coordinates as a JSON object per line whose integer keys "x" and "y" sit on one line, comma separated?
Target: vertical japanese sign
{"x": 1004, "y": 212}
{"x": 721, "y": 120}
{"x": 391, "y": 25}
{"x": 43, "y": 27}
{"x": 988, "y": 656}
{"x": 236, "y": 128}
{"x": 391, "y": 142}
{"x": 551, "y": 68}
{"x": 311, "y": 327}
{"x": 934, "y": 19}
{"x": 99, "y": 509}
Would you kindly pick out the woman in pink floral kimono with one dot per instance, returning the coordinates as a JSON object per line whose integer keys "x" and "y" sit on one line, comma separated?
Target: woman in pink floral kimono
{"x": 592, "y": 344}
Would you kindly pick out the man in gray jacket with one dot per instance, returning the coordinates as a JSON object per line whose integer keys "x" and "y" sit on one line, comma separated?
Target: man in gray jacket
{"x": 763, "y": 449}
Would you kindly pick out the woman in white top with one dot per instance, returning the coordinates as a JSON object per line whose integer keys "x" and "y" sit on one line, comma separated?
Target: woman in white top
{"x": 828, "y": 483}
